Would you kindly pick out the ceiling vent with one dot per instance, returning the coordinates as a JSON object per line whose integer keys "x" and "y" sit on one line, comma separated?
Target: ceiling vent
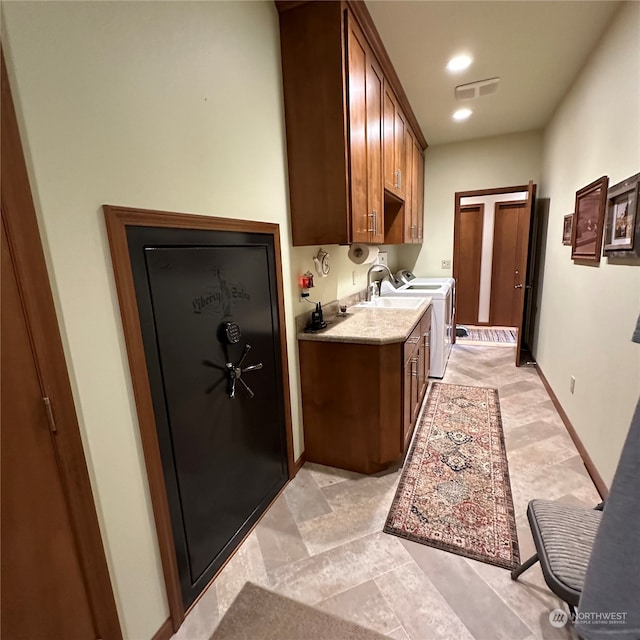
{"x": 478, "y": 89}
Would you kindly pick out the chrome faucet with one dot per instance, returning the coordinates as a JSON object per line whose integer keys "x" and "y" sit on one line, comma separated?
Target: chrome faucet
{"x": 372, "y": 268}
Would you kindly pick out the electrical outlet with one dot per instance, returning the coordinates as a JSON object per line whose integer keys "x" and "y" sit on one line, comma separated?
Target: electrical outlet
{"x": 445, "y": 264}
{"x": 353, "y": 277}
{"x": 572, "y": 384}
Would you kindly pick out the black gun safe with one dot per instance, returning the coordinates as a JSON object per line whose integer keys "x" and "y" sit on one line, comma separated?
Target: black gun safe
{"x": 209, "y": 307}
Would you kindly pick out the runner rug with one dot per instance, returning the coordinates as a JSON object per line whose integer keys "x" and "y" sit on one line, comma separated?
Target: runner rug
{"x": 454, "y": 492}
{"x": 490, "y": 335}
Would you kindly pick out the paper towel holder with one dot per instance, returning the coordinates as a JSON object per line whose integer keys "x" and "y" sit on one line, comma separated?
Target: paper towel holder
{"x": 321, "y": 262}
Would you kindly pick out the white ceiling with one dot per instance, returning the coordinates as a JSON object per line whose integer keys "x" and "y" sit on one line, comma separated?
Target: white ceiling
{"x": 536, "y": 48}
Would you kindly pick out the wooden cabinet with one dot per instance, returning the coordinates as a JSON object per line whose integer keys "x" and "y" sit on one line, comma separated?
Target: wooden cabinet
{"x": 365, "y": 86}
{"x": 413, "y": 211}
{"x": 394, "y": 144}
{"x": 419, "y": 211}
{"x": 425, "y": 336}
{"x": 339, "y": 87}
{"x": 409, "y": 225}
{"x": 416, "y": 357}
{"x": 360, "y": 402}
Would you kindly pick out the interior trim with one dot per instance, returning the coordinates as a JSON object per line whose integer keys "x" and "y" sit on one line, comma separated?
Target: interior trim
{"x": 586, "y": 458}
{"x": 164, "y": 632}
{"x": 117, "y": 220}
{"x": 23, "y": 236}
{"x": 300, "y": 462}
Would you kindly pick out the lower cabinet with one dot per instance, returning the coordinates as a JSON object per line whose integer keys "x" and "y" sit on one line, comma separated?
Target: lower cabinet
{"x": 416, "y": 359}
{"x": 360, "y": 402}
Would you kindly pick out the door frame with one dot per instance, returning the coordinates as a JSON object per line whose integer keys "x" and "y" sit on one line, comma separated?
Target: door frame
{"x": 25, "y": 246}
{"x": 530, "y": 188}
{"x": 117, "y": 220}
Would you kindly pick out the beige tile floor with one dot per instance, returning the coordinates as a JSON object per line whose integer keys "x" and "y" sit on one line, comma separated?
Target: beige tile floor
{"x": 322, "y": 543}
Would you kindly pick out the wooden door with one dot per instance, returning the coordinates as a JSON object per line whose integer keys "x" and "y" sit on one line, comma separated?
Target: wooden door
{"x": 375, "y": 83}
{"x": 467, "y": 259}
{"x": 54, "y": 577}
{"x": 399, "y": 154}
{"x": 524, "y": 276}
{"x": 218, "y": 396}
{"x": 389, "y": 146}
{"x": 508, "y": 267}
{"x": 394, "y": 144}
{"x": 409, "y": 204}
{"x": 425, "y": 328}
{"x": 420, "y": 196}
{"x": 357, "y": 85}
{"x": 43, "y": 593}
{"x": 365, "y": 84}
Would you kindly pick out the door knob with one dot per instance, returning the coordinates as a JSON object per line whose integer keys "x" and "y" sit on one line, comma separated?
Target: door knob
{"x": 518, "y": 286}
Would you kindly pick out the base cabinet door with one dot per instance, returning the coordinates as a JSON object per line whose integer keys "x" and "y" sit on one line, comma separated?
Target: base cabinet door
{"x": 425, "y": 331}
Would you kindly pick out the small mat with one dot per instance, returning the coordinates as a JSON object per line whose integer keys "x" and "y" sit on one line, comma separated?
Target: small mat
{"x": 490, "y": 334}
{"x": 454, "y": 492}
{"x": 258, "y": 614}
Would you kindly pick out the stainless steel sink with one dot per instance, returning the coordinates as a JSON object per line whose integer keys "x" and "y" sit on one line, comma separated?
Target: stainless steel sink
{"x": 392, "y": 303}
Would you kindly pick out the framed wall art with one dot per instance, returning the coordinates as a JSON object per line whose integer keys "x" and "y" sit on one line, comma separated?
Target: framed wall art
{"x": 588, "y": 221}
{"x": 566, "y": 229}
{"x": 622, "y": 224}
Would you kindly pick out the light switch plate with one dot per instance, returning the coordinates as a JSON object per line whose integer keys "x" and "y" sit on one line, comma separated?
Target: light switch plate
{"x": 445, "y": 264}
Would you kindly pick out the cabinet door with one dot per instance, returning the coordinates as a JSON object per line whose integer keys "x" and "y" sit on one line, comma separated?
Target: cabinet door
{"x": 411, "y": 403}
{"x": 407, "y": 405}
{"x": 414, "y": 190}
{"x": 399, "y": 153}
{"x": 374, "y": 81}
{"x": 425, "y": 331}
{"x": 420, "y": 195}
{"x": 389, "y": 142}
{"x": 357, "y": 85}
{"x": 365, "y": 85}
{"x": 394, "y": 144}
{"x": 409, "y": 228}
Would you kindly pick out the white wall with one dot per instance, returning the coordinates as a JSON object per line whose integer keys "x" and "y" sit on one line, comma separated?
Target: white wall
{"x": 486, "y": 163}
{"x": 587, "y": 314}
{"x": 163, "y": 105}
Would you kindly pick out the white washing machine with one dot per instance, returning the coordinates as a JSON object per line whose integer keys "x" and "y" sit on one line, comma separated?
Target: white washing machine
{"x": 442, "y": 294}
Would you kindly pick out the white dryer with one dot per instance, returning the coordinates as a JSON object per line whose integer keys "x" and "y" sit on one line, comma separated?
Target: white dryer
{"x": 442, "y": 294}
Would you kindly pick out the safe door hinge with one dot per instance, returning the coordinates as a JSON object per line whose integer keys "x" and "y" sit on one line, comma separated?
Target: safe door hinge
{"x": 50, "y": 418}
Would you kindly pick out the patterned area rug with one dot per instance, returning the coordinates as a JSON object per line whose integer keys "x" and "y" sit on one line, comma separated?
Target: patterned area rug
{"x": 477, "y": 334}
{"x": 454, "y": 491}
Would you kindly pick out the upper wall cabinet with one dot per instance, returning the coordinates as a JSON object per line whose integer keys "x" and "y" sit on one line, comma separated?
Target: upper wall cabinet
{"x": 365, "y": 83}
{"x": 395, "y": 126}
{"x": 346, "y": 117}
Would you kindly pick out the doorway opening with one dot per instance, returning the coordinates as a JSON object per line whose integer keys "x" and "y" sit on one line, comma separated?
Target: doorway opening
{"x": 492, "y": 236}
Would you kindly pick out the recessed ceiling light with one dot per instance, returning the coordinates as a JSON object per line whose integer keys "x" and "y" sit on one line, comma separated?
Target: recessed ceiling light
{"x": 462, "y": 114}
{"x": 459, "y": 63}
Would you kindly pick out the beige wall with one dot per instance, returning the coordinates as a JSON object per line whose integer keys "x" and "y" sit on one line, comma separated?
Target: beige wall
{"x": 501, "y": 161}
{"x": 587, "y": 314}
{"x": 163, "y": 105}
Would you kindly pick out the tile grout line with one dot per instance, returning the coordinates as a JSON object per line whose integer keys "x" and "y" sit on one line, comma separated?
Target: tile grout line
{"x": 359, "y": 584}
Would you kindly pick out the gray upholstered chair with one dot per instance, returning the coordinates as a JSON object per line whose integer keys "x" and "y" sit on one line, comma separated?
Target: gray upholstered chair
{"x": 563, "y": 535}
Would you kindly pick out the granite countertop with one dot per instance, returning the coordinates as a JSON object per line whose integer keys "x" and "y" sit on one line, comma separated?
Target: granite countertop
{"x": 364, "y": 325}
